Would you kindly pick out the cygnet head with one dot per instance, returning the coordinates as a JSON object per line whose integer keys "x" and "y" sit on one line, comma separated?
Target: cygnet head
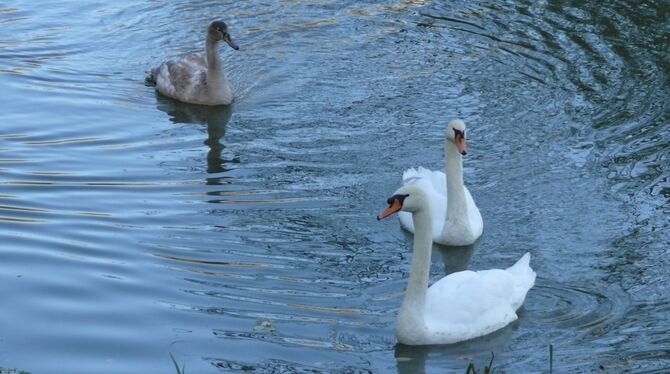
{"x": 218, "y": 30}
{"x": 455, "y": 132}
{"x": 408, "y": 198}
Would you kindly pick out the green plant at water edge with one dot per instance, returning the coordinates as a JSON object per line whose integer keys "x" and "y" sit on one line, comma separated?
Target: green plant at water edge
{"x": 471, "y": 369}
{"x": 176, "y": 365}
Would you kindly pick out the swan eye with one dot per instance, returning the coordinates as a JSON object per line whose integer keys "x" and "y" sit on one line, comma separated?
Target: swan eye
{"x": 400, "y": 198}
{"x": 458, "y": 133}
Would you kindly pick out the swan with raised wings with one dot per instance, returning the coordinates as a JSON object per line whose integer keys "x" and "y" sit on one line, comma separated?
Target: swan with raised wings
{"x": 198, "y": 78}
{"x": 454, "y": 216}
{"x": 461, "y": 306}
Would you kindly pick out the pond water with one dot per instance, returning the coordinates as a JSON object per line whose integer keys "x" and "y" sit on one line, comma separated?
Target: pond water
{"x": 244, "y": 238}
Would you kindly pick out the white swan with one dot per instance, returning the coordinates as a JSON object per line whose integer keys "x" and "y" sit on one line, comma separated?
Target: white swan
{"x": 454, "y": 217}
{"x": 461, "y": 306}
{"x": 196, "y": 78}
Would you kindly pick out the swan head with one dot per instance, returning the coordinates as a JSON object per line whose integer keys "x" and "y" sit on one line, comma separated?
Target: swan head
{"x": 218, "y": 30}
{"x": 408, "y": 198}
{"x": 455, "y": 132}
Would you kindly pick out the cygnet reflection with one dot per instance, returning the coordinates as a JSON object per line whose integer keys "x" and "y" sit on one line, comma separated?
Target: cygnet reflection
{"x": 214, "y": 117}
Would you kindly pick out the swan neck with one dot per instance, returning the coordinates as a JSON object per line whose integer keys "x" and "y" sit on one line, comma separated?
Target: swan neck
{"x": 456, "y": 205}
{"x": 213, "y": 59}
{"x": 415, "y": 295}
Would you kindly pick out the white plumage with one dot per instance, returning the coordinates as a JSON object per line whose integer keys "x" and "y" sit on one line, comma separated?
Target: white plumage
{"x": 469, "y": 304}
{"x": 455, "y": 218}
{"x": 461, "y": 306}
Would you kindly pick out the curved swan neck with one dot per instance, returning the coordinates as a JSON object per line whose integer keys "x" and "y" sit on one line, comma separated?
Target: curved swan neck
{"x": 415, "y": 295}
{"x": 453, "y": 160}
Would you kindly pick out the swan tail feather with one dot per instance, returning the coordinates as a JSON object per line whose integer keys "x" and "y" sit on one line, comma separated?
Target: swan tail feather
{"x": 151, "y": 76}
{"x": 522, "y": 270}
{"x": 413, "y": 173}
{"x": 409, "y": 174}
{"x": 435, "y": 179}
{"x": 524, "y": 279}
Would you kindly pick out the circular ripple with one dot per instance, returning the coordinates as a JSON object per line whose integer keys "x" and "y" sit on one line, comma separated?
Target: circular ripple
{"x": 565, "y": 312}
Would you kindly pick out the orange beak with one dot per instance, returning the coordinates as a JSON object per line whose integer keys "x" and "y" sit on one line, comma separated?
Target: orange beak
{"x": 394, "y": 207}
{"x": 460, "y": 144}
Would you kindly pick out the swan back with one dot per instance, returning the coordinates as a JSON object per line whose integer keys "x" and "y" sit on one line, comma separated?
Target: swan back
{"x": 184, "y": 79}
{"x": 469, "y": 304}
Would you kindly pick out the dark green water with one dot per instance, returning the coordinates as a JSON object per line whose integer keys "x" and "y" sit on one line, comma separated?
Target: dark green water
{"x": 244, "y": 238}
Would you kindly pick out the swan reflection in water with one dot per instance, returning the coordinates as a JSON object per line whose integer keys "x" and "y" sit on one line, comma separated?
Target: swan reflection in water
{"x": 411, "y": 359}
{"x": 214, "y": 117}
{"x": 455, "y": 258}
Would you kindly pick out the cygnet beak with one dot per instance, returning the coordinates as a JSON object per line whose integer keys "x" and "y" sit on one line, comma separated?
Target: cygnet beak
{"x": 231, "y": 43}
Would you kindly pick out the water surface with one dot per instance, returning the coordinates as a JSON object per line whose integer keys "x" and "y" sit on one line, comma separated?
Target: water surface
{"x": 244, "y": 238}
